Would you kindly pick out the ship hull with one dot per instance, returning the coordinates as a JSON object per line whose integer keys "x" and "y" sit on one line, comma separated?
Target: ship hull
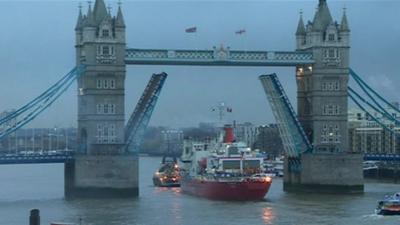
{"x": 161, "y": 183}
{"x": 226, "y": 190}
{"x": 387, "y": 212}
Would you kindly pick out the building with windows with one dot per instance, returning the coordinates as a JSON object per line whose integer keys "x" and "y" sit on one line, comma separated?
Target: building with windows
{"x": 246, "y": 132}
{"x": 367, "y": 136}
{"x": 268, "y": 140}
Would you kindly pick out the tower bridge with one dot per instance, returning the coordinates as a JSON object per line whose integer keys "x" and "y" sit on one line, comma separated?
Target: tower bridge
{"x": 316, "y": 138}
{"x": 322, "y": 67}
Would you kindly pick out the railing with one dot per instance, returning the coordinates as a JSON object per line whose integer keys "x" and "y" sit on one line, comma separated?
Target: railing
{"x": 217, "y": 57}
{"x": 382, "y": 157}
{"x": 36, "y": 158}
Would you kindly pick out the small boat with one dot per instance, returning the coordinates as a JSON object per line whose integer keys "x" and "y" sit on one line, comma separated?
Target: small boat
{"x": 370, "y": 165}
{"x": 390, "y": 205}
{"x": 168, "y": 175}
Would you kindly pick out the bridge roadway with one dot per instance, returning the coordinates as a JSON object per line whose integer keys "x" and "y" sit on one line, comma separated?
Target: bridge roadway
{"x": 62, "y": 157}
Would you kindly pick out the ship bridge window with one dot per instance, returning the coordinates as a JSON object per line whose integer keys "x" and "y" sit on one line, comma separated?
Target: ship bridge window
{"x": 231, "y": 164}
{"x": 233, "y": 151}
{"x": 251, "y": 164}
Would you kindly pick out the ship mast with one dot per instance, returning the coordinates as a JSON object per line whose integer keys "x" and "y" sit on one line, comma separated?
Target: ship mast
{"x": 222, "y": 109}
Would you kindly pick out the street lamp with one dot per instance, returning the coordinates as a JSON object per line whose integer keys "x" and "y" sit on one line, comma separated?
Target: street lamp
{"x": 55, "y": 133}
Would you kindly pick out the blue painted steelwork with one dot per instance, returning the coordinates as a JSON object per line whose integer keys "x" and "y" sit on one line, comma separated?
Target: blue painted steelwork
{"x": 47, "y": 93}
{"x": 139, "y": 120}
{"x": 35, "y": 159}
{"x": 351, "y": 92}
{"x": 42, "y": 102}
{"x": 381, "y": 157}
{"x": 291, "y": 131}
{"x": 217, "y": 57}
{"x": 367, "y": 89}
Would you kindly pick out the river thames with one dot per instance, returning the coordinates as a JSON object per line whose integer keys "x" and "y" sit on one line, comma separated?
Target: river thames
{"x": 24, "y": 187}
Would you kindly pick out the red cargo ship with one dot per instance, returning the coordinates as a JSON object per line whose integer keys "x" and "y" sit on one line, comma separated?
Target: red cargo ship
{"x": 223, "y": 170}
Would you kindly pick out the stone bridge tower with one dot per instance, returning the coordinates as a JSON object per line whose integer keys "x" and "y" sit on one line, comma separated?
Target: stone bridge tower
{"x": 102, "y": 167}
{"x": 322, "y": 106}
{"x": 322, "y": 88}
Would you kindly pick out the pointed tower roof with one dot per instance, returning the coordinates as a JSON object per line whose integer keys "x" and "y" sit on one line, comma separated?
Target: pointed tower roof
{"x": 344, "y": 26}
{"x": 300, "y": 27}
{"x": 79, "y": 23}
{"x": 322, "y": 17}
{"x": 119, "y": 21}
{"x": 90, "y": 18}
{"x": 99, "y": 11}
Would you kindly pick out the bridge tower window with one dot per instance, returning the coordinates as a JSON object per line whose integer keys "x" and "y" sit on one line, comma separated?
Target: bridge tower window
{"x": 105, "y": 84}
{"x": 106, "y": 133}
{"x": 331, "y": 37}
{"x": 105, "y": 33}
{"x": 106, "y": 108}
{"x": 330, "y": 133}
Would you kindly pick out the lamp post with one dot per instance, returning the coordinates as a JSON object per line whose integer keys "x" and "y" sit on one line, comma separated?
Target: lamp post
{"x": 16, "y": 142}
{"x": 66, "y": 139}
{"x": 49, "y": 134}
{"x": 55, "y": 133}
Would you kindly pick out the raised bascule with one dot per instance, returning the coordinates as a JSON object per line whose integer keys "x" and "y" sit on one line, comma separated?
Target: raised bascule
{"x": 106, "y": 161}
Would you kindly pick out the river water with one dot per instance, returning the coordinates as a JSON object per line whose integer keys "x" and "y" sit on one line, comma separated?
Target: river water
{"x": 24, "y": 187}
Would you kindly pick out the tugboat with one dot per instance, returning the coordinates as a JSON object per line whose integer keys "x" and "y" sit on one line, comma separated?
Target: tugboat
{"x": 223, "y": 170}
{"x": 390, "y": 205}
{"x": 168, "y": 175}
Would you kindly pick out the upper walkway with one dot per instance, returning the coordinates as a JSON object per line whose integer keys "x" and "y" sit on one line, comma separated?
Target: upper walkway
{"x": 216, "y": 57}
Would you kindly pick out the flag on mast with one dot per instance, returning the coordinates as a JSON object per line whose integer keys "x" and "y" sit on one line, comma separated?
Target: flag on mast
{"x": 191, "y": 30}
{"x": 241, "y": 31}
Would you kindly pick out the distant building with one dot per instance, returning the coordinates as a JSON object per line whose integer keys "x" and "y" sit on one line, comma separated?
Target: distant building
{"x": 246, "y": 132}
{"x": 172, "y": 142}
{"x": 268, "y": 140}
{"x": 367, "y": 136}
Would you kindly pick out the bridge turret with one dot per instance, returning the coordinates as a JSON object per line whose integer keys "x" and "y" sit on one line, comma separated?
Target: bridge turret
{"x": 344, "y": 32}
{"x": 89, "y": 26}
{"x": 322, "y": 87}
{"x": 300, "y": 32}
{"x": 120, "y": 26}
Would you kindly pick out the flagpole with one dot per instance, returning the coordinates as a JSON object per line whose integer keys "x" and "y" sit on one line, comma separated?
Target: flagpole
{"x": 191, "y": 30}
{"x": 243, "y": 39}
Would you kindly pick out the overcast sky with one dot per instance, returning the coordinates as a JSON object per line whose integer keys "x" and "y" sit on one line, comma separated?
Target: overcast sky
{"x": 37, "y": 48}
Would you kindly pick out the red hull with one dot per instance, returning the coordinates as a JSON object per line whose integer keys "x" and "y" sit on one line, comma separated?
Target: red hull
{"x": 226, "y": 190}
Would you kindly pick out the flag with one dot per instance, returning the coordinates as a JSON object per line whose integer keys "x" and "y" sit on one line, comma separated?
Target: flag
{"x": 241, "y": 31}
{"x": 191, "y": 30}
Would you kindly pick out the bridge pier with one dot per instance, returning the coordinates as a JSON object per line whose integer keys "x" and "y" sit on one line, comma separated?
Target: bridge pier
{"x": 89, "y": 176}
{"x": 326, "y": 173}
